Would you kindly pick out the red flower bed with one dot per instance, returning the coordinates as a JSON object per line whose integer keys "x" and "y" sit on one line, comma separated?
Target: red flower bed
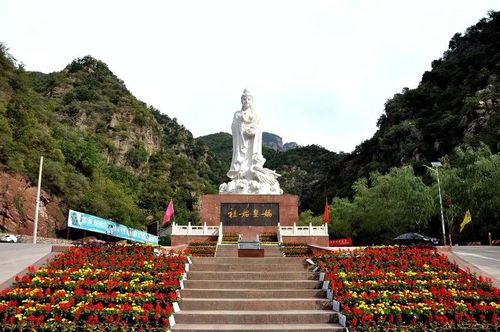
{"x": 96, "y": 287}
{"x": 408, "y": 289}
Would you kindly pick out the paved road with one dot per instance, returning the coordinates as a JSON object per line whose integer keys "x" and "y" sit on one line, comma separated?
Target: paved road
{"x": 486, "y": 258}
{"x": 15, "y": 257}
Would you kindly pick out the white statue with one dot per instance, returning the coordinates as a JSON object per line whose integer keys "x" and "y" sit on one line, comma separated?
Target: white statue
{"x": 247, "y": 138}
{"x": 247, "y": 172}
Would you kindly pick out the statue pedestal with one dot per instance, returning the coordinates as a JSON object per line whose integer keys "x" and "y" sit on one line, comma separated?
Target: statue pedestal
{"x": 249, "y": 215}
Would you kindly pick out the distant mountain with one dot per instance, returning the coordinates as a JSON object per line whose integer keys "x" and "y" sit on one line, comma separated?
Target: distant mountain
{"x": 222, "y": 144}
{"x": 290, "y": 146}
{"x": 275, "y": 142}
{"x": 305, "y": 171}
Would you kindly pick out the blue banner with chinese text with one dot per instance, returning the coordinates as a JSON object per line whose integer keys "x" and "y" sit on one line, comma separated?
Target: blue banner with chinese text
{"x": 99, "y": 225}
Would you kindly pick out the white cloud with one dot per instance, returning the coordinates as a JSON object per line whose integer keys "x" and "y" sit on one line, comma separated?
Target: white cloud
{"x": 320, "y": 71}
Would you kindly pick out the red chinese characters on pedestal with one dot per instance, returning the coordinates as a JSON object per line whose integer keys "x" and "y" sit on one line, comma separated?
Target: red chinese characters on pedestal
{"x": 346, "y": 241}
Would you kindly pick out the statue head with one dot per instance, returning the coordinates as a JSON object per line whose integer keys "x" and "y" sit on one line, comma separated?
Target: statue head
{"x": 246, "y": 99}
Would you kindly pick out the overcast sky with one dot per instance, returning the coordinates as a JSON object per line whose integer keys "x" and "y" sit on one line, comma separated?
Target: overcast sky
{"x": 320, "y": 71}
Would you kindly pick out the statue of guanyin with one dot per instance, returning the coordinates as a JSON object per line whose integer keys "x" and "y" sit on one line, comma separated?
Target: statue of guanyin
{"x": 247, "y": 172}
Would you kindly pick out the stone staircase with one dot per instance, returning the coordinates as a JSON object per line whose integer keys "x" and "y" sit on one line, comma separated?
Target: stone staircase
{"x": 231, "y": 250}
{"x": 227, "y": 293}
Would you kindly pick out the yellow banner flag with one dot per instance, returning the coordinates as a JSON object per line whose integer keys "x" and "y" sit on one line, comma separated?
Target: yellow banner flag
{"x": 467, "y": 219}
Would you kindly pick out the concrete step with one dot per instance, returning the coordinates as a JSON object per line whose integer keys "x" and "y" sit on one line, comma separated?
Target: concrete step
{"x": 255, "y": 304}
{"x": 272, "y": 252}
{"x": 247, "y": 275}
{"x": 298, "y": 267}
{"x": 227, "y": 251}
{"x": 247, "y": 260}
{"x": 255, "y": 317}
{"x": 232, "y": 251}
{"x": 252, "y": 293}
{"x": 226, "y": 254}
{"x": 259, "y": 327}
{"x": 252, "y": 284}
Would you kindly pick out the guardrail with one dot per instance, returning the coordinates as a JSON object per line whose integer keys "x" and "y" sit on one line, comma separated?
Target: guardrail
{"x": 301, "y": 231}
{"x": 196, "y": 230}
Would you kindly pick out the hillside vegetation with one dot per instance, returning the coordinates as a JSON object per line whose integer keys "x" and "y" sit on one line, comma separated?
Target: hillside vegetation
{"x": 106, "y": 152}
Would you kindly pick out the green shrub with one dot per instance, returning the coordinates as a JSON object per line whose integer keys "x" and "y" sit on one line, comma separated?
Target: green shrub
{"x": 164, "y": 240}
{"x": 230, "y": 238}
{"x": 203, "y": 249}
{"x": 291, "y": 249}
{"x": 268, "y": 237}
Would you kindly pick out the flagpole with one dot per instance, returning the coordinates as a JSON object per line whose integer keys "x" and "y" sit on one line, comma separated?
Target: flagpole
{"x": 37, "y": 208}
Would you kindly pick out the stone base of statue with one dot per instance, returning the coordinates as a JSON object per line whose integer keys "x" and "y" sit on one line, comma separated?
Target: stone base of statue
{"x": 249, "y": 215}
{"x": 244, "y": 186}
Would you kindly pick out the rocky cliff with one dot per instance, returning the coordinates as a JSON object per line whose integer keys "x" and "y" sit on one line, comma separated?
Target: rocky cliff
{"x": 275, "y": 142}
{"x": 17, "y": 207}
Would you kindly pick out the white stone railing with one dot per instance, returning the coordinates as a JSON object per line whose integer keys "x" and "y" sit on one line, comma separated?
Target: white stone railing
{"x": 219, "y": 239}
{"x": 302, "y": 230}
{"x": 195, "y": 230}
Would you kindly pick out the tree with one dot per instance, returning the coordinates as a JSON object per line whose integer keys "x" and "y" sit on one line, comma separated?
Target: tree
{"x": 388, "y": 205}
{"x": 470, "y": 177}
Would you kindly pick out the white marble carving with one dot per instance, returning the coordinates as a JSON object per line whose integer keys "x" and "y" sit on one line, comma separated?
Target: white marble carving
{"x": 247, "y": 172}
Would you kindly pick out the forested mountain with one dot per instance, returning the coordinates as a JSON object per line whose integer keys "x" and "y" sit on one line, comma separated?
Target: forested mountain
{"x": 222, "y": 144}
{"x": 106, "y": 152}
{"x": 458, "y": 101}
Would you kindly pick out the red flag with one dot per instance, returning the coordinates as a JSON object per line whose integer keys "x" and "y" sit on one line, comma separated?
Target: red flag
{"x": 169, "y": 212}
{"x": 326, "y": 216}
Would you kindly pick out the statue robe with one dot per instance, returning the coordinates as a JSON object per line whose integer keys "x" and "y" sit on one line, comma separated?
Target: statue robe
{"x": 247, "y": 141}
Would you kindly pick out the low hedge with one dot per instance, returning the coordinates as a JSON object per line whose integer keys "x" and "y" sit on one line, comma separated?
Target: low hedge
{"x": 268, "y": 237}
{"x": 203, "y": 249}
{"x": 292, "y": 249}
{"x": 230, "y": 238}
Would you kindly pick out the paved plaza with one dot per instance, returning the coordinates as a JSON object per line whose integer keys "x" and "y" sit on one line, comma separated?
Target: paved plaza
{"x": 15, "y": 257}
{"x": 485, "y": 258}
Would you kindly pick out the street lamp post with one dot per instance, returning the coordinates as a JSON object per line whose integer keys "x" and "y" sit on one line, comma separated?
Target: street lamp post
{"x": 37, "y": 208}
{"x": 436, "y": 165}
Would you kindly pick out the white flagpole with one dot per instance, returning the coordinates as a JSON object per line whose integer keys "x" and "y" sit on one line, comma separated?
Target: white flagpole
{"x": 35, "y": 227}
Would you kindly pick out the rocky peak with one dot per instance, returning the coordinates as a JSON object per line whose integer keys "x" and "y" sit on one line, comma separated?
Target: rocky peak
{"x": 275, "y": 142}
{"x": 488, "y": 103}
